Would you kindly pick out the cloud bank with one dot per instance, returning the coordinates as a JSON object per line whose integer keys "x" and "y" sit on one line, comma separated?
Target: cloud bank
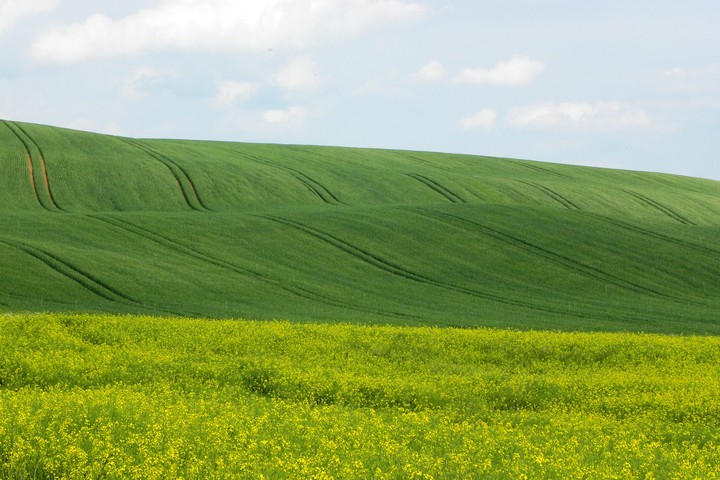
{"x": 515, "y": 72}
{"x": 481, "y": 120}
{"x": 597, "y": 116}
{"x": 293, "y": 113}
{"x": 220, "y": 25}
{"x": 696, "y": 81}
{"x": 433, "y": 71}
{"x": 230, "y": 92}
{"x": 301, "y": 73}
{"x": 13, "y": 11}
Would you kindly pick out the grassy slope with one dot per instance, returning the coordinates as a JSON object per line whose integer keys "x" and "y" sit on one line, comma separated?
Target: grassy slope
{"x": 269, "y": 231}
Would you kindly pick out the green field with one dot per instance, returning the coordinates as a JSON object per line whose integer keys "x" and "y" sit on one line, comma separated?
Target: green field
{"x": 95, "y": 223}
{"x": 142, "y": 397}
{"x": 415, "y": 314}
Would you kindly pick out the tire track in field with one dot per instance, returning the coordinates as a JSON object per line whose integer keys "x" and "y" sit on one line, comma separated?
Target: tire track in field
{"x": 185, "y": 183}
{"x": 666, "y": 183}
{"x": 66, "y": 269}
{"x": 317, "y": 188}
{"x": 31, "y": 168}
{"x": 166, "y": 242}
{"x": 659, "y": 207}
{"x": 400, "y": 271}
{"x": 43, "y": 163}
{"x": 714, "y": 253}
{"x": 564, "y": 201}
{"x": 87, "y": 281}
{"x": 425, "y": 161}
{"x": 539, "y": 169}
{"x": 44, "y": 301}
{"x": 395, "y": 153}
{"x": 314, "y": 154}
{"x": 549, "y": 255}
{"x": 449, "y": 195}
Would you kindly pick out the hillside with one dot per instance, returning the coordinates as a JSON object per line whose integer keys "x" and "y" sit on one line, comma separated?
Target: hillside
{"x": 99, "y": 223}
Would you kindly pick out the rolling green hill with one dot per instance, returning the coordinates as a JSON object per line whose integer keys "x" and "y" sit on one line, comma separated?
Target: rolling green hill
{"x": 99, "y": 223}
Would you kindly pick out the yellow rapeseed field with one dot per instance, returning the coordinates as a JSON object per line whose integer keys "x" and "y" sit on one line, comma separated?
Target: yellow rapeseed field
{"x": 85, "y": 396}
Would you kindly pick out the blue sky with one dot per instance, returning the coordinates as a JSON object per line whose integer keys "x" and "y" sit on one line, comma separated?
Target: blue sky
{"x": 621, "y": 84}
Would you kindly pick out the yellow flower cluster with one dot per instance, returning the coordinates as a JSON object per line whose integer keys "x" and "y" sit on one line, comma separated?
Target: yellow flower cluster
{"x": 153, "y": 398}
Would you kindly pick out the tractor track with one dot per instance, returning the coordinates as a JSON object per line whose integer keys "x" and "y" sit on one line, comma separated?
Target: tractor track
{"x": 34, "y": 299}
{"x": 395, "y": 269}
{"x": 46, "y": 178}
{"x": 549, "y": 255}
{"x": 183, "y": 179}
{"x": 198, "y": 255}
{"x": 427, "y": 162}
{"x": 31, "y": 168}
{"x": 314, "y": 154}
{"x": 539, "y": 169}
{"x": 659, "y": 207}
{"x": 66, "y": 269}
{"x": 392, "y": 152}
{"x": 666, "y": 183}
{"x": 449, "y": 195}
{"x": 564, "y": 201}
{"x": 317, "y": 188}
{"x": 87, "y": 281}
{"x": 711, "y": 252}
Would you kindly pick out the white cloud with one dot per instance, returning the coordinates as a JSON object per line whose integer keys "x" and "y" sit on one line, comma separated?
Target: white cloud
{"x": 512, "y": 73}
{"x": 293, "y": 114}
{"x": 433, "y": 71}
{"x": 481, "y": 120}
{"x": 211, "y": 25}
{"x": 598, "y": 115}
{"x": 142, "y": 79}
{"x": 230, "y": 92}
{"x": 691, "y": 81}
{"x": 12, "y": 11}
{"x": 388, "y": 85}
{"x": 300, "y": 74}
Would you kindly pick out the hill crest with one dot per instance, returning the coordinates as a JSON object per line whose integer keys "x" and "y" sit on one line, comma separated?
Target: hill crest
{"x": 94, "y": 222}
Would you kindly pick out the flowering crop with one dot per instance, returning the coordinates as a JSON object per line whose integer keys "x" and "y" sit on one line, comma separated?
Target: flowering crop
{"x": 139, "y": 397}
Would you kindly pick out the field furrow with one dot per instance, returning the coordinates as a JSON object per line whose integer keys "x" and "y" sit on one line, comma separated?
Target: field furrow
{"x": 286, "y": 286}
{"x": 659, "y": 207}
{"x": 43, "y": 162}
{"x": 318, "y": 192}
{"x": 85, "y": 280}
{"x": 425, "y": 161}
{"x": 184, "y": 182}
{"x": 564, "y": 201}
{"x": 437, "y": 187}
{"x": 562, "y": 260}
{"x": 31, "y": 167}
{"x": 324, "y": 192}
{"x": 711, "y": 252}
{"x": 395, "y": 269}
{"x": 539, "y": 169}
{"x": 317, "y": 188}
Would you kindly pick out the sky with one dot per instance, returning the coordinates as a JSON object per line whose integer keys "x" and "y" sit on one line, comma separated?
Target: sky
{"x": 631, "y": 84}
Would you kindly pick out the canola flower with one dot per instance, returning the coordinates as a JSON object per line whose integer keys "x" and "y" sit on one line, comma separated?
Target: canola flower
{"x": 85, "y": 396}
